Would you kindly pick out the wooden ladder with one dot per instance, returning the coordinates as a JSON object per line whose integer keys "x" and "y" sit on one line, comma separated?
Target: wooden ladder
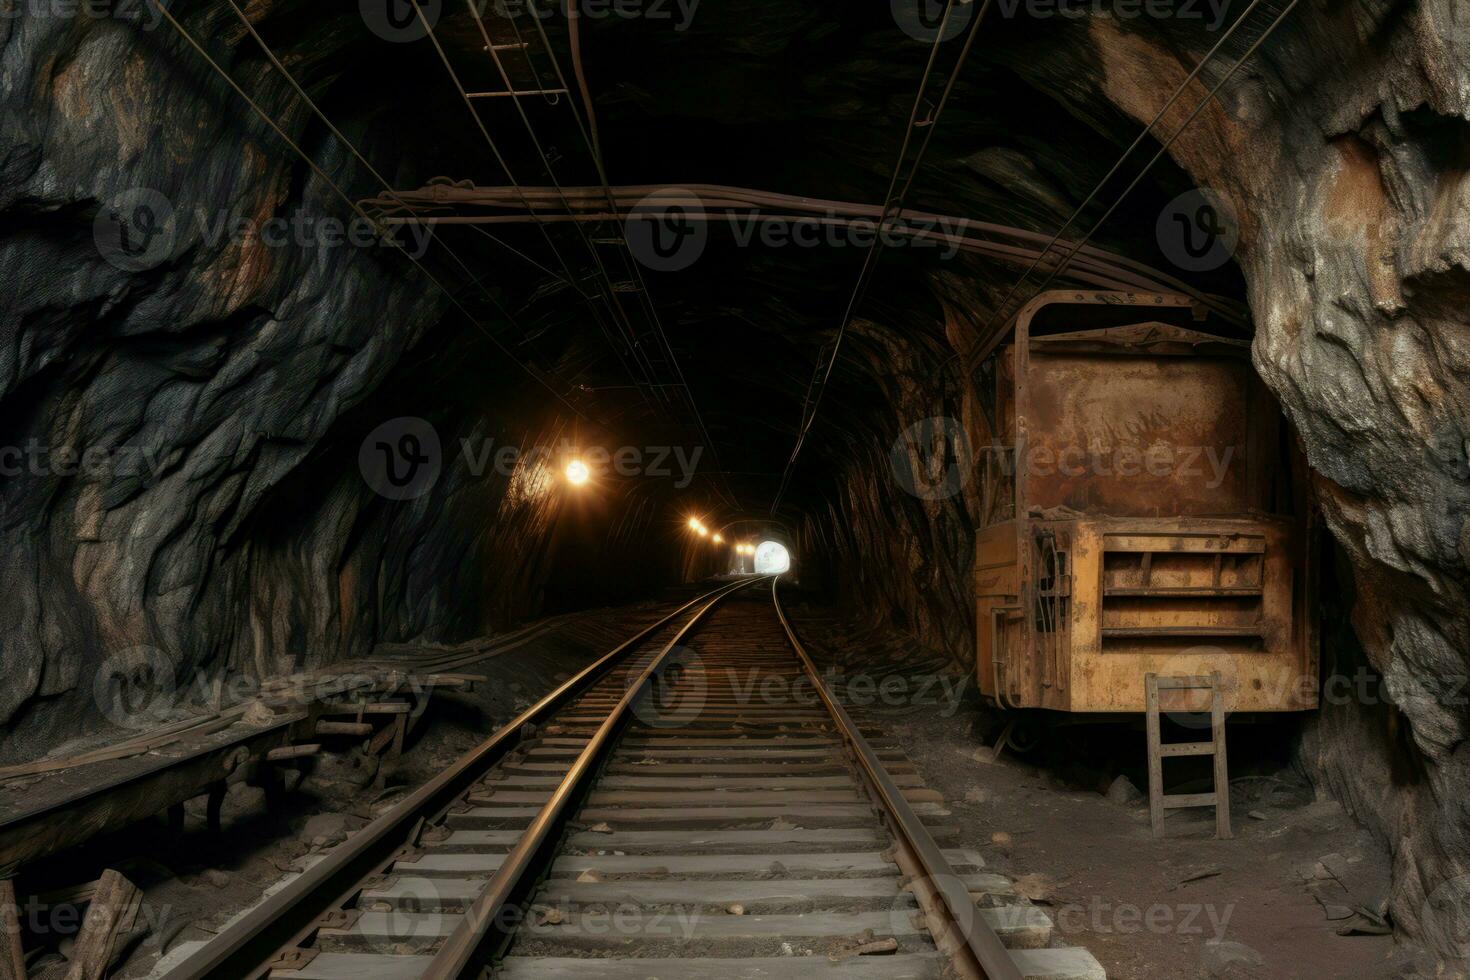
{"x": 1158, "y": 751}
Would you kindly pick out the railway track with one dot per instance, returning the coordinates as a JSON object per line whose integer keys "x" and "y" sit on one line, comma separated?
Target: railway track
{"x": 694, "y": 804}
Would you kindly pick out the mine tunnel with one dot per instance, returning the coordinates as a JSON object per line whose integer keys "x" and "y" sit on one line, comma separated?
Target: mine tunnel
{"x": 720, "y": 488}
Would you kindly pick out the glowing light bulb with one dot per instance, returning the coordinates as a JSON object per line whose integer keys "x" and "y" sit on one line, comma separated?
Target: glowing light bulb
{"x": 578, "y": 473}
{"x": 719, "y": 539}
{"x": 694, "y": 524}
{"x": 701, "y": 531}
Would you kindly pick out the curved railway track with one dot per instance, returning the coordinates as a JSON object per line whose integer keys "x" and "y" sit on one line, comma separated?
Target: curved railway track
{"x": 697, "y": 803}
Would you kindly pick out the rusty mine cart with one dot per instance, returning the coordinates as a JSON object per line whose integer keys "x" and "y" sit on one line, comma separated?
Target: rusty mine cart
{"x": 1144, "y": 511}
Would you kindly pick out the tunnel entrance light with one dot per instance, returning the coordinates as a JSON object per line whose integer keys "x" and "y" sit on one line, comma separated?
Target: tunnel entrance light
{"x": 772, "y": 558}
{"x": 578, "y": 473}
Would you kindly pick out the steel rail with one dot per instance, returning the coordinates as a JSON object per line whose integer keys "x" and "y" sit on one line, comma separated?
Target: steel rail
{"x": 975, "y": 949}
{"x": 289, "y": 916}
{"x": 476, "y": 936}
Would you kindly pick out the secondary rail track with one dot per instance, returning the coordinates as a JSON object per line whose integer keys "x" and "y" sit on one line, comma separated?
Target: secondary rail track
{"x": 695, "y": 804}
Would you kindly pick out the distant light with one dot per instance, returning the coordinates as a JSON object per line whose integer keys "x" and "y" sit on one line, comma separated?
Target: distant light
{"x": 578, "y": 473}
{"x": 701, "y": 531}
{"x": 719, "y": 539}
{"x": 694, "y": 524}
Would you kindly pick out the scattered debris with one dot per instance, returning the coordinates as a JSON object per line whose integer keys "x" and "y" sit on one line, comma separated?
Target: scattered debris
{"x": 1036, "y": 887}
{"x": 736, "y": 909}
{"x": 588, "y": 875}
{"x": 602, "y": 827}
{"x": 1236, "y": 961}
{"x": 976, "y": 795}
{"x": 1199, "y": 874}
{"x": 1000, "y": 839}
{"x": 864, "y": 944}
{"x": 1256, "y": 815}
{"x": 1123, "y": 792}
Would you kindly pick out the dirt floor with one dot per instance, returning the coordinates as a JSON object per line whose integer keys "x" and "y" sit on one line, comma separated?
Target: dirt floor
{"x": 1067, "y": 819}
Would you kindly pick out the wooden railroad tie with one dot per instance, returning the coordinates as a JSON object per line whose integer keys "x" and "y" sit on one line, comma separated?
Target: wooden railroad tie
{"x": 1158, "y": 751}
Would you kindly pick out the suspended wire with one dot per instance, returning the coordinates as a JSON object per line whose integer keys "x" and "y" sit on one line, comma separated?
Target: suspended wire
{"x": 630, "y": 264}
{"x": 818, "y": 386}
{"x": 510, "y": 176}
{"x": 998, "y": 313}
{"x": 322, "y": 174}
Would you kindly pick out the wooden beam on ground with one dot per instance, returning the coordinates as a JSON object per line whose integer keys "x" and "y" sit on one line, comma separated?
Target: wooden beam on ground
{"x": 111, "y": 917}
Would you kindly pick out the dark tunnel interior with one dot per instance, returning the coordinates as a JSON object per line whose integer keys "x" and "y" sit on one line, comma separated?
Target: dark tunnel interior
{"x": 338, "y": 334}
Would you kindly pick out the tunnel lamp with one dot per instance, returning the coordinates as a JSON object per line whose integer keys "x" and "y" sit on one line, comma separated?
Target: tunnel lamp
{"x": 719, "y": 539}
{"x": 578, "y": 473}
{"x": 701, "y": 531}
{"x": 694, "y": 524}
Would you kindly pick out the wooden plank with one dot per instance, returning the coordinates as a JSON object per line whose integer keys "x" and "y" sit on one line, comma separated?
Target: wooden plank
{"x": 1173, "y": 749}
{"x": 1067, "y": 963}
{"x": 111, "y": 916}
{"x": 627, "y": 839}
{"x": 690, "y": 782}
{"x": 354, "y": 966}
{"x": 915, "y": 966}
{"x": 12, "y": 957}
{"x": 797, "y": 893}
{"x": 1155, "y": 759}
{"x": 602, "y": 929}
{"x": 1177, "y": 801}
{"x": 1222, "y": 770}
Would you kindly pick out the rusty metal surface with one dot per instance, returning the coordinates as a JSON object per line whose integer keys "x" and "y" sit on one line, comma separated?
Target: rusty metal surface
{"x": 1157, "y": 526}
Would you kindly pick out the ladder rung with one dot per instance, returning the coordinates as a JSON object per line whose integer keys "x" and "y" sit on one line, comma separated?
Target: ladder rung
{"x": 1188, "y": 799}
{"x": 1187, "y": 748}
{"x": 1194, "y": 683}
{"x": 512, "y": 46}
{"x": 517, "y": 92}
